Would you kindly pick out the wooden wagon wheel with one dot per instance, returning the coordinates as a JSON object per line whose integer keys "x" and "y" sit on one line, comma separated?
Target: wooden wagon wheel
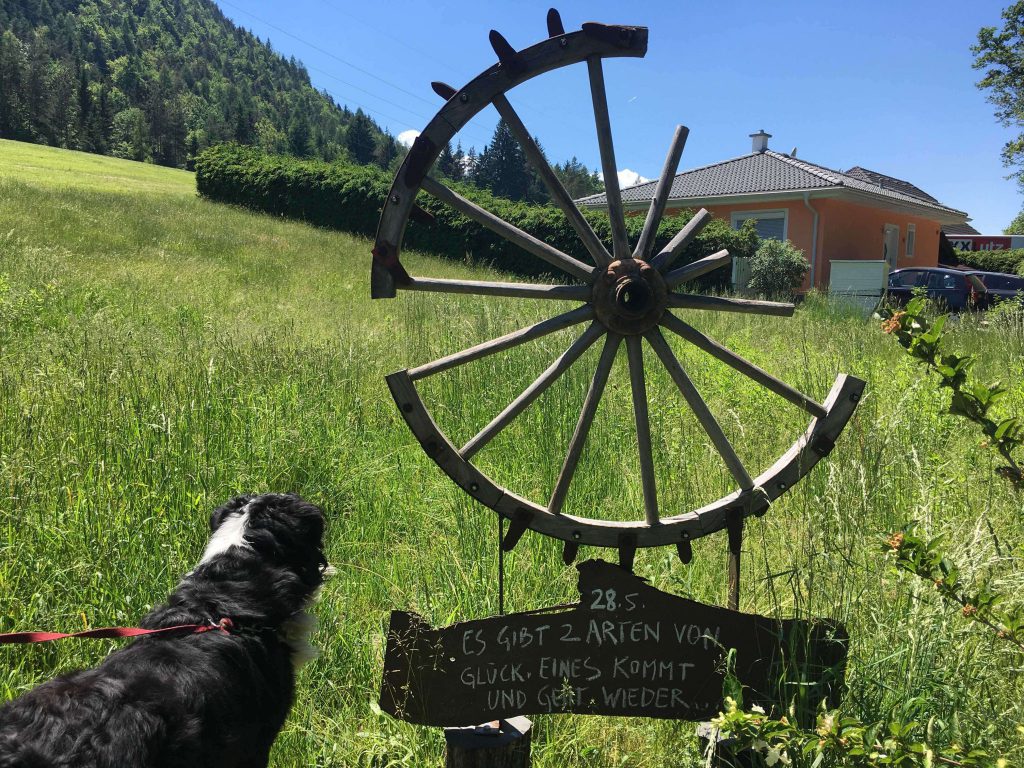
{"x": 625, "y": 296}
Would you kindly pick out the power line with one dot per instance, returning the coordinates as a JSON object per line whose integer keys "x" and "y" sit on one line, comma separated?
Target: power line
{"x": 325, "y": 52}
{"x": 379, "y": 98}
{"x": 387, "y": 34}
{"x": 543, "y": 112}
{"x": 345, "y": 62}
{"x": 368, "y": 73}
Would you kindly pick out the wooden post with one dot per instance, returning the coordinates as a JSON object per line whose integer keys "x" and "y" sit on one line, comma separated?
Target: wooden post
{"x": 735, "y": 527}
{"x": 507, "y": 746}
{"x": 723, "y": 754}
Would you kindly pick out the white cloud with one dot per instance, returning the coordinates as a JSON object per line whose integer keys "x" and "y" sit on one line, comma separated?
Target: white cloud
{"x": 406, "y": 138}
{"x": 627, "y": 178}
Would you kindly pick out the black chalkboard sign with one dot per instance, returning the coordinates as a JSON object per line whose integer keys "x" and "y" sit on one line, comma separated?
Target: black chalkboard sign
{"x": 625, "y": 649}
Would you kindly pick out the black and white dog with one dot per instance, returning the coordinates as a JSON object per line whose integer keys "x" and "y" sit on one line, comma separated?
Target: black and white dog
{"x": 210, "y": 699}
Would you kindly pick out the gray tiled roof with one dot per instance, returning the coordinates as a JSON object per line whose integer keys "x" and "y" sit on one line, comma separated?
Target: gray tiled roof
{"x": 890, "y": 182}
{"x": 761, "y": 172}
{"x": 959, "y": 229}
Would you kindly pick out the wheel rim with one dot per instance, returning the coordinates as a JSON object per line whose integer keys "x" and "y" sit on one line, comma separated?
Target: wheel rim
{"x": 626, "y": 299}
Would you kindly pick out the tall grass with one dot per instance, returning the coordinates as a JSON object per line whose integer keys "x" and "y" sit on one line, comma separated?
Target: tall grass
{"x": 160, "y": 353}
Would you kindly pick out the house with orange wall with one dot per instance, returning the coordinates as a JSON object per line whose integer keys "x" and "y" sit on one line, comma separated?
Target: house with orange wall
{"x": 830, "y": 215}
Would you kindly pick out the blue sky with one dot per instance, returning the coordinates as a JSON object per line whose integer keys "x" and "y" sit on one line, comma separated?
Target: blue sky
{"x": 884, "y": 85}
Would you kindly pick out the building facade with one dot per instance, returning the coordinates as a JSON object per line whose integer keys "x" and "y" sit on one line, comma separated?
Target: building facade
{"x": 830, "y": 215}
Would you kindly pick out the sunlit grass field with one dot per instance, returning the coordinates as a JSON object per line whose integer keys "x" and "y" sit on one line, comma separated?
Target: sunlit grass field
{"x": 161, "y": 353}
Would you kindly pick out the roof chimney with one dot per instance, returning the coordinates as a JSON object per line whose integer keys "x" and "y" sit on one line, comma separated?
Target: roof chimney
{"x": 759, "y": 141}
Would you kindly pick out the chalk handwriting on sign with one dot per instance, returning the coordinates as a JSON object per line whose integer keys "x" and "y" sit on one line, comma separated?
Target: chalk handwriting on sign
{"x": 624, "y": 649}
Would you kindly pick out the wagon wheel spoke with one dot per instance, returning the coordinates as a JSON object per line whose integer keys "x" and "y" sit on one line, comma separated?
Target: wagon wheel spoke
{"x": 635, "y": 353}
{"x": 745, "y": 367}
{"x": 532, "y": 392}
{"x": 559, "y": 195}
{"x": 484, "y": 288}
{"x": 508, "y": 341}
{"x": 667, "y": 256}
{"x": 508, "y": 231}
{"x": 698, "y": 268}
{"x": 700, "y": 409}
{"x": 579, "y": 437}
{"x": 724, "y": 304}
{"x": 620, "y": 244}
{"x": 657, "y": 209}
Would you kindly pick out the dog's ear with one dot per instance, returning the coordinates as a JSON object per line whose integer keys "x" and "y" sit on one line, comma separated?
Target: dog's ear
{"x": 223, "y": 512}
{"x": 288, "y": 529}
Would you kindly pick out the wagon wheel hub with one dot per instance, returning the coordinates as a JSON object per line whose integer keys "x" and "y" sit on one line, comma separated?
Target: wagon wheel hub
{"x": 630, "y": 297}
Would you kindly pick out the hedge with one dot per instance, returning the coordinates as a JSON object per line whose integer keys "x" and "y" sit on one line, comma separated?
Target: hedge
{"x": 349, "y": 198}
{"x": 1010, "y": 261}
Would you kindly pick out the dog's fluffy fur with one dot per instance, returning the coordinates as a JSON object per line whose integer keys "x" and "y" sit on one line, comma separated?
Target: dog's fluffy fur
{"x": 209, "y": 699}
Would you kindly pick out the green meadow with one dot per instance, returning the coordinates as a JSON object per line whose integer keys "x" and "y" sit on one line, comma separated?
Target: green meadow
{"x": 160, "y": 353}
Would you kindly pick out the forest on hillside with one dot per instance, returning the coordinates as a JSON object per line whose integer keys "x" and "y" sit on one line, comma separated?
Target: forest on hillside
{"x": 160, "y": 80}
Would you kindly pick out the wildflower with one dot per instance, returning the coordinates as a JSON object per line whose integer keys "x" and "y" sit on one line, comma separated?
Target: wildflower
{"x": 825, "y": 724}
{"x": 896, "y": 541}
{"x": 757, "y": 708}
{"x": 893, "y": 323}
{"x": 969, "y": 610}
{"x": 776, "y": 755}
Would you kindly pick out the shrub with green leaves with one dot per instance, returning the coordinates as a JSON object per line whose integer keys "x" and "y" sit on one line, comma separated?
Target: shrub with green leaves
{"x": 1010, "y": 261}
{"x": 350, "y": 197}
{"x": 777, "y": 268}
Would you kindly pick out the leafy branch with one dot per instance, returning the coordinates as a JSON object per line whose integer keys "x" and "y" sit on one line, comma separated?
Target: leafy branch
{"x": 839, "y": 740}
{"x": 924, "y": 558}
{"x": 973, "y": 400}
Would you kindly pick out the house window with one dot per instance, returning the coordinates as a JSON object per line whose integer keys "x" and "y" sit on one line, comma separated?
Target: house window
{"x": 768, "y": 224}
{"x": 911, "y": 236}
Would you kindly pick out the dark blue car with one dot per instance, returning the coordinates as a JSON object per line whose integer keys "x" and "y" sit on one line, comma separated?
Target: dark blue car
{"x": 1000, "y": 285}
{"x": 953, "y": 290}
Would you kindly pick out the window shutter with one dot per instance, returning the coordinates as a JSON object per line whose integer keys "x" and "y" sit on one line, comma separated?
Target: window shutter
{"x": 771, "y": 229}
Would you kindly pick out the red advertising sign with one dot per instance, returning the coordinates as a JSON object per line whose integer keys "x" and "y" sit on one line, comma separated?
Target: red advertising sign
{"x": 986, "y": 242}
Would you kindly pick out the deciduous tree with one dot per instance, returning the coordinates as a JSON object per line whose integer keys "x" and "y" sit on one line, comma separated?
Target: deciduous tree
{"x": 1000, "y": 54}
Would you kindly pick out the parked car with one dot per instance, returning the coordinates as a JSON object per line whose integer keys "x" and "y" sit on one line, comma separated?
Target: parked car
{"x": 1001, "y": 286}
{"x": 954, "y": 290}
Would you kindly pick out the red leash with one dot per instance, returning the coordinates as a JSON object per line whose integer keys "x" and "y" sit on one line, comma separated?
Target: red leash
{"x": 224, "y": 625}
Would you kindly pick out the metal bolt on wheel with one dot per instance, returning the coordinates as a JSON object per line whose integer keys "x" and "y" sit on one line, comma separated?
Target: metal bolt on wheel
{"x": 626, "y": 298}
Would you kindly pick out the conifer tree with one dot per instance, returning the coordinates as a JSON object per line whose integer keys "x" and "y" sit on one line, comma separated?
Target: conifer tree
{"x": 502, "y": 167}
{"x": 359, "y": 139}
{"x": 386, "y": 150}
{"x": 447, "y": 164}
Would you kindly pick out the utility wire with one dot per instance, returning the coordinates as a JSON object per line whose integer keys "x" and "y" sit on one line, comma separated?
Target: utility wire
{"x": 545, "y": 112}
{"x": 356, "y": 67}
{"x": 420, "y": 115}
{"x": 325, "y": 52}
{"x": 387, "y": 34}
